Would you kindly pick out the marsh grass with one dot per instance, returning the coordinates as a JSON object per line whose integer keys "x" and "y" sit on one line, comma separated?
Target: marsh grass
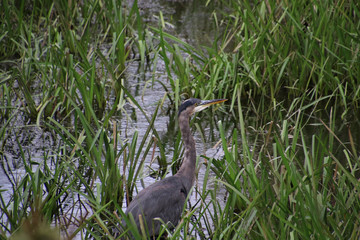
{"x": 292, "y": 187}
{"x": 278, "y": 53}
{"x": 289, "y": 69}
{"x": 286, "y": 67}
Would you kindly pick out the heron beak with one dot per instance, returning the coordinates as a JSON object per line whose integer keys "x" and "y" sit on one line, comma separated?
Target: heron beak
{"x": 206, "y": 103}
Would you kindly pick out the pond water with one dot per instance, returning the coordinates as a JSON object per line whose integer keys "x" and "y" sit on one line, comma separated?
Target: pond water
{"x": 190, "y": 21}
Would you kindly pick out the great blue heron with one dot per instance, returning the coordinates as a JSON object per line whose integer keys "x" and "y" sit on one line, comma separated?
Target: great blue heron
{"x": 165, "y": 199}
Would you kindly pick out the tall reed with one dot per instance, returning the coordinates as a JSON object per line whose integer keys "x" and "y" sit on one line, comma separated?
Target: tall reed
{"x": 284, "y": 66}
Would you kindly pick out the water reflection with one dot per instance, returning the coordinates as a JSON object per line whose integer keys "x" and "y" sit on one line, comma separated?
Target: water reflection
{"x": 191, "y": 20}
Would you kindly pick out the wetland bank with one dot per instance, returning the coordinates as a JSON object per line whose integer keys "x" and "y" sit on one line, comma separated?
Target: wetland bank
{"x": 86, "y": 86}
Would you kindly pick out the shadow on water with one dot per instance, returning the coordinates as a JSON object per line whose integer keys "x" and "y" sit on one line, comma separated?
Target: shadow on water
{"x": 323, "y": 125}
{"x": 339, "y": 134}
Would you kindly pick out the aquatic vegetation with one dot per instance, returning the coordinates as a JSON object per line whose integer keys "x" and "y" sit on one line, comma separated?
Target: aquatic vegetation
{"x": 289, "y": 134}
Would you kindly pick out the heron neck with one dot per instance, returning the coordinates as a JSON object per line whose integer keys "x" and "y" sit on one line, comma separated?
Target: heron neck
{"x": 187, "y": 169}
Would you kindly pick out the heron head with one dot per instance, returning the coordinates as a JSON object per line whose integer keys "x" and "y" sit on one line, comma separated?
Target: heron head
{"x": 193, "y": 105}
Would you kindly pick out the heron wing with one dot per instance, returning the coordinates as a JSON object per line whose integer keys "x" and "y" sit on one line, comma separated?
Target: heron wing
{"x": 163, "y": 200}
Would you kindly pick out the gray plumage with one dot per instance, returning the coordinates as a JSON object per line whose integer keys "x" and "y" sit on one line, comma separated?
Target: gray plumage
{"x": 165, "y": 199}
